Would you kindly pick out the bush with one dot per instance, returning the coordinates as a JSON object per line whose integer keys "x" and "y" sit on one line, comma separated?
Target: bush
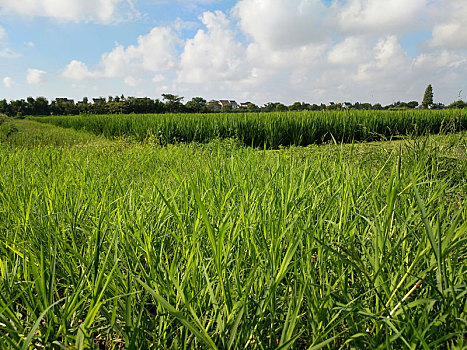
{"x": 3, "y": 118}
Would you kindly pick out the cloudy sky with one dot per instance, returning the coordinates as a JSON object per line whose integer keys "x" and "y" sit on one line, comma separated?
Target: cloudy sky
{"x": 248, "y": 50}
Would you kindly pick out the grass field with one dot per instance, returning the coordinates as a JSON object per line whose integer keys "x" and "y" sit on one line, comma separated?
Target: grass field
{"x": 119, "y": 244}
{"x": 269, "y": 130}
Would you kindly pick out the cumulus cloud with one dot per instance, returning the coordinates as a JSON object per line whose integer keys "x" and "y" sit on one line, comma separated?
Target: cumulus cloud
{"x": 379, "y": 16}
{"x": 35, "y": 76}
{"x": 352, "y": 50}
{"x": 159, "y": 78}
{"x": 450, "y": 29}
{"x": 8, "y": 82}
{"x": 280, "y": 24}
{"x": 77, "y": 70}
{"x": 154, "y": 52}
{"x": 100, "y": 11}
{"x": 389, "y": 58}
{"x": 213, "y": 54}
{"x": 289, "y": 50}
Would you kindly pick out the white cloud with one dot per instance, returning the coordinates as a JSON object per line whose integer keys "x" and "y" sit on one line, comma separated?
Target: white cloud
{"x": 443, "y": 59}
{"x": 213, "y": 54}
{"x": 77, "y": 70}
{"x": 154, "y": 52}
{"x": 450, "y": 29}
{"x": 100, "y": 11}
{"x": 35, "y": 76}
{"x": 289, "y": 50}
{"x": 159, "y": 78}
{"x": 389, "y": 62}
{"x": 8, "y": 82}
{"x": 131, "y": 81}
{"x": 352, "y": 50}
{"x": 379, "y": 16}
{"x": 280, "y": 24}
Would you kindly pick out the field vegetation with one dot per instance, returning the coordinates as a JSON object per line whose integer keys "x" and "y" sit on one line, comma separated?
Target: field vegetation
{"x": 269, "y": 130}
{"x": 120, "y": 244}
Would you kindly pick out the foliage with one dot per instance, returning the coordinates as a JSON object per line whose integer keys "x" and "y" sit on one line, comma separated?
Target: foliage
{"x": 224, "y": 247}
{"x": 458, "y": 104}
{"x": 173, "y": 103}
{"x": 269, "y": 130}
{"x": 196, "y": 105}
{"x": 428, "y": 97}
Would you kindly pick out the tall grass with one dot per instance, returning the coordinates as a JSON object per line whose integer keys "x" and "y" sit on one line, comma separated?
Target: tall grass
{"x": 224, "y": 247}
{"x": 269, "y": 129}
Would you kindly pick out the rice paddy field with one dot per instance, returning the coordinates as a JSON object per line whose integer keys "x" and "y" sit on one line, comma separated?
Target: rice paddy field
{"x": 269, "y": 130}
{"x": 111, "y": 238}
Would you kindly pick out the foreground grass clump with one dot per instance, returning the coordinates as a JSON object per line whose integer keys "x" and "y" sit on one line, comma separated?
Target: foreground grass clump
{"x": 269, "y": 130}
{"x": 224, "y": 247}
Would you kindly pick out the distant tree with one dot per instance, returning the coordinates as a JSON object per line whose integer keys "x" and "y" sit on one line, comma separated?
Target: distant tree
{"x": 458, "y": 104}
{"x": 333, "y": 107}
{"x": 18, "y": 106}
{"x": 377, "y": 106}
{"x": 297, "y": 106}
{"x": 281, "y": 107}
{"x": 196, "y": 105}
{"x": 226, "y": 108}
{"x": 213, "y": 106}
{"x": 412, "y": 104}
{"x": 173, "y": 103}
{"x": 4, "y": 107}
{"x": 31, "y": 109}
{"x": 41, "y": 106}
{"x": 269, "y": 107}
{"x": 252, "y": 107}
{"x": 428, "y": 97}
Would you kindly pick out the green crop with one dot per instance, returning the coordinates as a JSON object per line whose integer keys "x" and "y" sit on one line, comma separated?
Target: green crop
{"x": 219, "y": 246}
{"x": 269, "y": 130}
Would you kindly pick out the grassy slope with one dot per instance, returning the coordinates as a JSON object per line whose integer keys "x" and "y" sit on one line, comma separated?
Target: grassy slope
{"x": 223, "y": 246}
{"x": 27, "y": 133}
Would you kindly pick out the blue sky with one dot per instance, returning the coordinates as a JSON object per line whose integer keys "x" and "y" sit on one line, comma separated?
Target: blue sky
{"x": 256, "y": 50}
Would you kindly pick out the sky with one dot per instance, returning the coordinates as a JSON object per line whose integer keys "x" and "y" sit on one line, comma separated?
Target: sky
{"x": 314, "y": 51}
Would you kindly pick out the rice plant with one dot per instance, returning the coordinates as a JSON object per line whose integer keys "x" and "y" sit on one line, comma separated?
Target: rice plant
{"x": 219, "y": 246}
{"x": 269, "y": 130}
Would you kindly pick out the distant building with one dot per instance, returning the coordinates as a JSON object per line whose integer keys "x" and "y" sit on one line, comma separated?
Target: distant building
{"x": 232, "y": 103}
{"x": 245, "y": 104}
{"x": 223, "y": 103}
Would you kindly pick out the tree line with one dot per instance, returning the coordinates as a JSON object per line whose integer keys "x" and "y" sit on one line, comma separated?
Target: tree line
{"x": 174, "y": 104}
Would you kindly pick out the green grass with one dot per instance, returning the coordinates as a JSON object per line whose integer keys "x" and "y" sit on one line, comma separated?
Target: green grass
{"x": 269, "y": 130}
{"x": 26, "y": 133}
{"x": 113, "y": 244}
